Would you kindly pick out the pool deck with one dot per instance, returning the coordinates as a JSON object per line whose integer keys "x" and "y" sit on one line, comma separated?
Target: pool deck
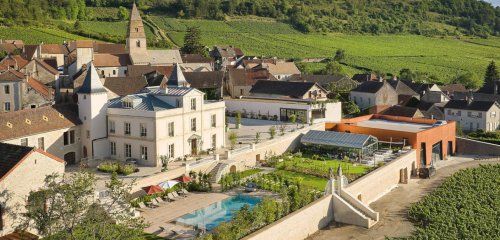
{"x": 164, "y": 215}
{"x": 168, "y": 212}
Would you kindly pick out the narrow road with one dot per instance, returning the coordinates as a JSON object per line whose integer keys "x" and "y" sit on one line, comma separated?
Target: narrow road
{"x": 393, "y": 207}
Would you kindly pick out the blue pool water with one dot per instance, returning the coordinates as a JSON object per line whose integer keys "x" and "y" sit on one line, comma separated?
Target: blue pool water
{"x": 213, "y": 215}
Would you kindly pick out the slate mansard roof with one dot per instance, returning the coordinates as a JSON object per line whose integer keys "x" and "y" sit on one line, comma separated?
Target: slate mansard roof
{"x": 145, "y": 102}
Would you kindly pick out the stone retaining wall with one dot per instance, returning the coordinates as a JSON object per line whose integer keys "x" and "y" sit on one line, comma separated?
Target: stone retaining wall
{"x": 467, "y": 146}
{"x": 299, "y": 224}
{"x": 376, "y": 184}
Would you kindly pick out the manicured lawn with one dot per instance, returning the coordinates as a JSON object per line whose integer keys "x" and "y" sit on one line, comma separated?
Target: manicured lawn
{"x": 321, "y": 167}
{"x": 317, "y": 183}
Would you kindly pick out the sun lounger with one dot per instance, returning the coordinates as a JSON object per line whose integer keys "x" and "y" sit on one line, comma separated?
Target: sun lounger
{"x": 176, "y": 195}
{"x": 159, "y": 200}
{"x": 141, "y": 205}
{"x": 183, "y": 192}
{"x": 171, "y": 196}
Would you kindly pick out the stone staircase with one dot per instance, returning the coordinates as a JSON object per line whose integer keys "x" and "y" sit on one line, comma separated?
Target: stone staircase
{"x": 215, "y": 172}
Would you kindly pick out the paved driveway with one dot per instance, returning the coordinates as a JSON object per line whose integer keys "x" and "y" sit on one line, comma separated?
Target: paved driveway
{"x": 393, "y": 207}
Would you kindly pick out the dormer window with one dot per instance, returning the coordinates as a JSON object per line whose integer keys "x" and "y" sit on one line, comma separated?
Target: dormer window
{"x": 127, "y": 104}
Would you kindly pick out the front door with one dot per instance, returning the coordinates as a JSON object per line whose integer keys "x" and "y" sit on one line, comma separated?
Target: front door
{"x": 194, "y": 146}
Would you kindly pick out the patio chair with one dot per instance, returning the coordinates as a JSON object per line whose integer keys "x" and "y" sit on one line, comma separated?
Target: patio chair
{"x": 181, "y": 193}
{"x": 176, "y": 195}
{"x": 185, "y": 191}
{"x": 141, "y": 205}
{"x": 171, "y": 196}
{"x": 159, "y": 200}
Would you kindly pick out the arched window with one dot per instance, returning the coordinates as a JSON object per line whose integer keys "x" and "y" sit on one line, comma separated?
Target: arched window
{"x": 102, "y": 72}
{"x": 138, "y": 43}
{"x": 136, "y": 29}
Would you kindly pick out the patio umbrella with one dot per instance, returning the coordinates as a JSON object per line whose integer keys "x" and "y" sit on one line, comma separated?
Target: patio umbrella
{"x": 184, "y": 179}
{"x": 152, "y": 189}
{"x": 168, "y": 184}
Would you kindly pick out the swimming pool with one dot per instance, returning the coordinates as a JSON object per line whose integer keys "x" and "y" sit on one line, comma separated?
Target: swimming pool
{"x": 223, "y": 211}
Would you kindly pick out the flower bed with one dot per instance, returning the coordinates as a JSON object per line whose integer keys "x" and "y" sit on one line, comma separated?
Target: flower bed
{"x": 122, "y": 169}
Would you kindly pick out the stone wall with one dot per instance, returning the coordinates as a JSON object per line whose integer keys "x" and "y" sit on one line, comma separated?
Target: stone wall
{"x": 299, "y": 224}
{"x": 473, "y": 147}
{"x": 376, "y": 184}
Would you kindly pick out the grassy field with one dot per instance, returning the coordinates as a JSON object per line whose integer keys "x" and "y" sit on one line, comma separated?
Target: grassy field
{"x": 308, "y": 180}
{"x": 35, "y": 35}
{"x": 442, "y": 57}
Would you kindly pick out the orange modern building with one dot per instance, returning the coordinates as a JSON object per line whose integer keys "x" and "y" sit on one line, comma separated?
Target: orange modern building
{"x": 432, "y": 142}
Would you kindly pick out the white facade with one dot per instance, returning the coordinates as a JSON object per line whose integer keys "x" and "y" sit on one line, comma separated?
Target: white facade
{"x": 195, "y": 125}
{"x": 92, "y": 107}
{"x": 470, "y": 120}
{"x": 275, "y": 108}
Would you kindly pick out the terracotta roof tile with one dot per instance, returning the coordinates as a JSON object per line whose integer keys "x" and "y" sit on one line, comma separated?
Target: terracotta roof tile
{"x": 54, "y": 49}
{"x": 42, "y": 119}
{"x": 123, "y": 86}
{"x": 40, "y": 88}
{"x": 111, "y": 60}
{"x": 11, "y": 75}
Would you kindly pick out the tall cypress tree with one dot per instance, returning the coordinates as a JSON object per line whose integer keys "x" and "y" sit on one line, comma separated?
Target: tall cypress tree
{"x": 192, "y": 41}
{"x": 490, "y": 77}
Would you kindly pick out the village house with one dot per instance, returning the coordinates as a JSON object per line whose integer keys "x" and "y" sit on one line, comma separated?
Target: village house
{"x": 403, "y": 111}
{"x": 12, "y": 47}
{"x": 341, "y": 83}
{"x": 225, "y": 56}
{"x": 372, "y": 93}
{"x": 430, "y": 110}
{"x": 23, "y": 170}
{"x": 279, "y": 100}
{"x": 240, "y": 81}
{"x": 473, "y": 115}
{"x": 281, "y": 70}
{"x": 404, "y": 92}
{"x": 55, "y": 129}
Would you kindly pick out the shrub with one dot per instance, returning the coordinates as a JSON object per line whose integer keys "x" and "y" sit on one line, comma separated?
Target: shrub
{"x": 111, "y": 167}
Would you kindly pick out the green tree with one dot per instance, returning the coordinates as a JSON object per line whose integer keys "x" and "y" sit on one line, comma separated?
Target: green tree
{"x": 491, "y": 75}
{"x": 350, "y": 108}
{"x": 293, "y": 118}
{"x": 123, "y": 13}
{"x": 333, "y": 68}
{"x": 233, "y": 137}
{"x": 468, "y": 79}
{"x": 339, "y": 55}
{"x": 66, "y": 208}
{"x": 257, "y": 137}
{"x": 192, "y": 42}
{"x": 272, "y": 132}
{"x": 238, "y": 119}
